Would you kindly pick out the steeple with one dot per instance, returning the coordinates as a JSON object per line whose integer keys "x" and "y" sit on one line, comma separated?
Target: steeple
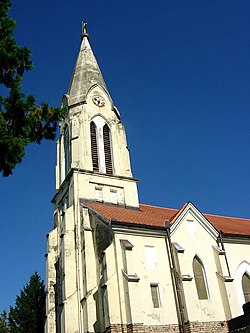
{"x": 92, "y": 151}
{"x": 86, "y": 73}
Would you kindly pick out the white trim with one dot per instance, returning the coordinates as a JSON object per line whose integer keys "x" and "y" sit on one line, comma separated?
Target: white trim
{"x": 100, "y": 122}
{"x": 243, "y": 268}
{"x": 198, "y": 216}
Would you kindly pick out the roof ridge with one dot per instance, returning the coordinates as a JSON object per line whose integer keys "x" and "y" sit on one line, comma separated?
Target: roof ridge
{"x": 148, "y": 215}
{"x": 225, "y": 216}
{"x": 158, "y": 206}
{"x": 210, "y": 214}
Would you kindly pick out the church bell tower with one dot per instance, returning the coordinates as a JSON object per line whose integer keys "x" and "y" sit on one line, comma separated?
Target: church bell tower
{"x": 93, "y": 160}
{"x": 93, "y": 165}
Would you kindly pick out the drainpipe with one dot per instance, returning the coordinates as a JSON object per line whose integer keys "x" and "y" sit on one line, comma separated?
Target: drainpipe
{"x": 176, "y": 284}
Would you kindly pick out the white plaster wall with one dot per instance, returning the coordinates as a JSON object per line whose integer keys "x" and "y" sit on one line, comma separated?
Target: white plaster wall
{"x": 50, "y": 281}
{"x": 140, "y": 301}
{"x": 192, "y": 236}
{"x": 86, "y": 183}
{"x": 131, "y": 301}
{"x": 238, "y": 255}
{"x": 90, "y": 279}
{"x": 113, "y": 287}
{"x": 71, "y": 296}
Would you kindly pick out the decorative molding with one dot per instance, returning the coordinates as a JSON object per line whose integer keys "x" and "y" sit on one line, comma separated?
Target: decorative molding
{"x": 131, "y": 277}
{"x": 178, "y": 247}
{"x": 225, "y": 278}
{"x": 186, "y": 277}
{"x": 219, "y": 250}
{"x": 126, "y": 244}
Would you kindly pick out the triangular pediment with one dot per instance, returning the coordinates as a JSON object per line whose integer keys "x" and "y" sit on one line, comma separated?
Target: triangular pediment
{"x": 184, "y": 214}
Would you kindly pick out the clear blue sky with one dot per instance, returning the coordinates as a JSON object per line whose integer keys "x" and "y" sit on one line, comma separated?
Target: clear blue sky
{"x": 179, "y": 73}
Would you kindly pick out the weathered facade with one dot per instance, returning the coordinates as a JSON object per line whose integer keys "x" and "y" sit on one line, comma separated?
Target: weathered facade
{"x": 114, "y": 265}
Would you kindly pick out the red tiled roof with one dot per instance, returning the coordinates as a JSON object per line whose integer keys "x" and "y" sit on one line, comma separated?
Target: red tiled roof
{"x": 230, "y": 225}
{"x": 157, "y": 216}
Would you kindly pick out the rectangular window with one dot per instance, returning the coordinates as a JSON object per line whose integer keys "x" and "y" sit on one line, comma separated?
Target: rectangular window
{"x": 155, "y": 295}
{"x": 113, "y": 197}
{"x": 191, "y": 228}
{"x": 150, "y": 256}
{"x": 98, "y": 193}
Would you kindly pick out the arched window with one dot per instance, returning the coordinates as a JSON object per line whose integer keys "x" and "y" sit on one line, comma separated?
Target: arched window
{"x": 107, "y": 150}
{"x": 101, "y": 146}
{"x": 242, "y": 276}
{"x": 200, "y": 278}
{"x": 246, "y": 286}
{"x": 94, "y": 149}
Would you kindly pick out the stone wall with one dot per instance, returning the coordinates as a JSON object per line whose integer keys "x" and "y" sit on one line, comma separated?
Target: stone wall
{"x": 191, "y": 327}
{"x": 207, "y": 327}
{"x": 140, "y": 328}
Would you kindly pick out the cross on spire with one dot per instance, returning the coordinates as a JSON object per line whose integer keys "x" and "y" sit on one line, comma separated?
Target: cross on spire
{"x": 84, "y": 30}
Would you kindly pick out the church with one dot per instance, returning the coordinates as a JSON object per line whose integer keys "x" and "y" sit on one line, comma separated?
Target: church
{"x": 115, "y": 265}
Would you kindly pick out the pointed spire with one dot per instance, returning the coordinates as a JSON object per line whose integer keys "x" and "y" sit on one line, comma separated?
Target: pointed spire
{"x": 86, "y": 73}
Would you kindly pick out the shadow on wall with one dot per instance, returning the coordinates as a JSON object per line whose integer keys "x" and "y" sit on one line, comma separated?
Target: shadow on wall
{"x": 242, "y": 323}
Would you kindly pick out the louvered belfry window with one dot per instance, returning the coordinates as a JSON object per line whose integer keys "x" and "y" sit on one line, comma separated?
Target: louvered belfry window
{"x": 107, "y": 150}
{"x": 94, "y": 148}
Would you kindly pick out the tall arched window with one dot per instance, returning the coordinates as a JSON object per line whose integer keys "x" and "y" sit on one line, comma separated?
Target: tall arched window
{"x": 246, "y": 286}
{"x": 107, "y": 150}
{"x": 94, "y": 148}
{"x": 101, "y": 146}
{"x": 200, "y": 278}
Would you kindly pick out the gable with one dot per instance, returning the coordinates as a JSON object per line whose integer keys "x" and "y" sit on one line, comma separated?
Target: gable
{"x": 192, "y": 222}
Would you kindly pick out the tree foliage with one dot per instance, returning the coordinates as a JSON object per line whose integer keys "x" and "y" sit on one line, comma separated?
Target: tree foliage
{"x": 4, "y": 328}
{"x": 28, "y": 315}
{"x": 22, "y": 121}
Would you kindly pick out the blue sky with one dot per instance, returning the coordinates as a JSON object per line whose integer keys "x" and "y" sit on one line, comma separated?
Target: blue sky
{"x": 178, "y": 71}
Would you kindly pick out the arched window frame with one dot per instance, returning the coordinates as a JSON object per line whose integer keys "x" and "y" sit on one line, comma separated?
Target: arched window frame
{"x": 101, "y": 146}
{"x": 246, "y": 286}
{"x": 107, "y": 150}
{"x": 94, "y": 146}
{"x": 200, "y": 279}
{"x": 243, "y": 267}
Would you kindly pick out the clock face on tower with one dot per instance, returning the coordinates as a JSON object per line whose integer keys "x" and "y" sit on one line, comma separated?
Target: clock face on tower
{"x": 98, "y": 100}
